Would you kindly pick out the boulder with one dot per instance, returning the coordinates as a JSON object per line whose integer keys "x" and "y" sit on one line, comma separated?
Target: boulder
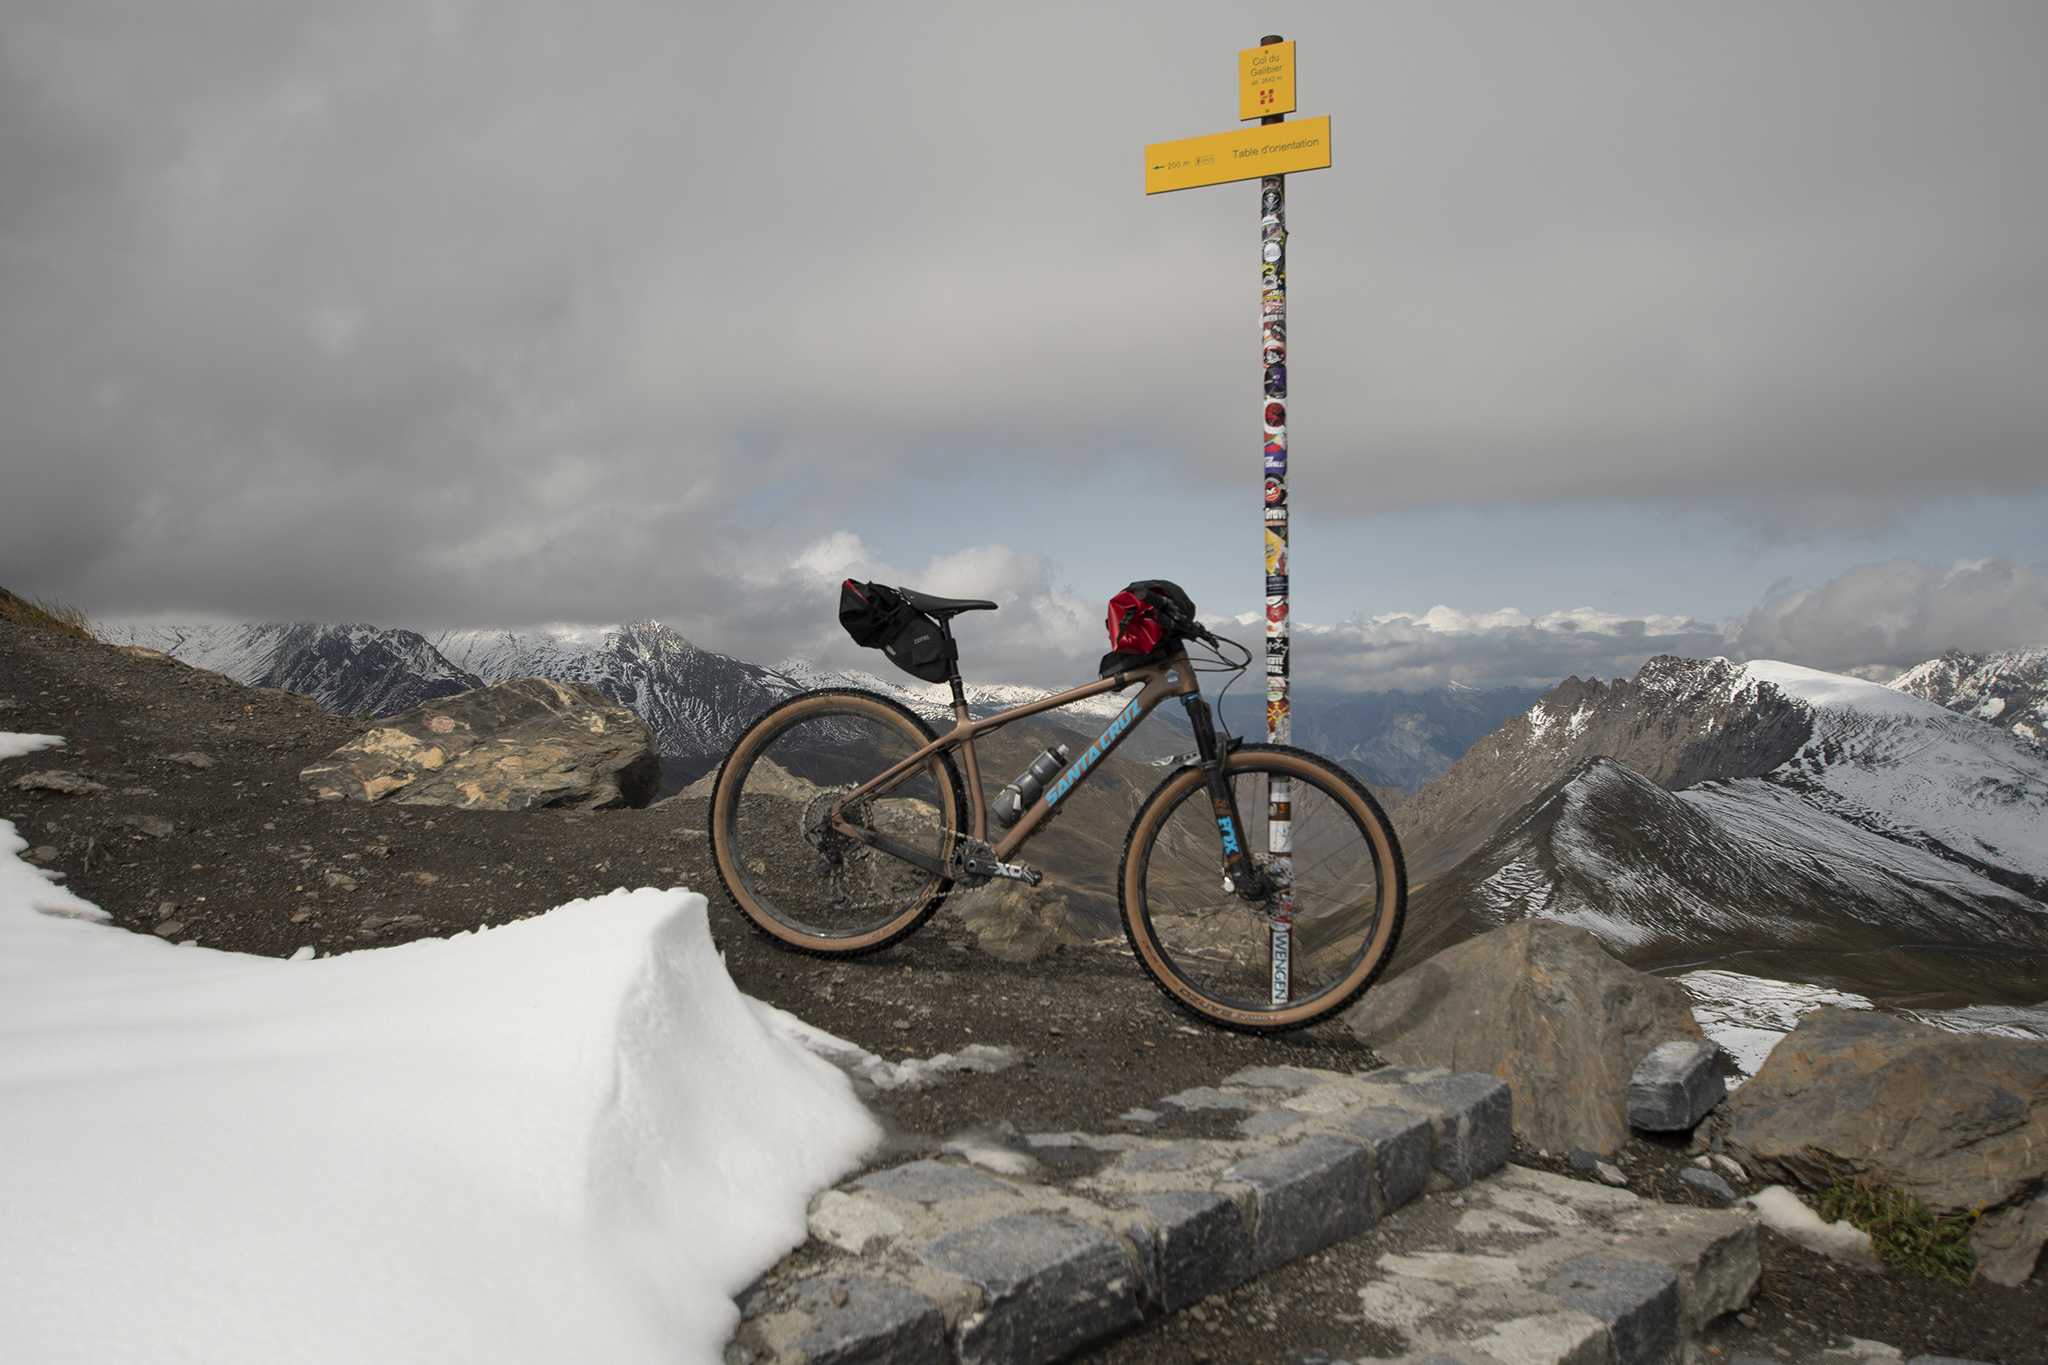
{"x": 2009, "y": 1241}
{"x": 1014, "y": 922}
{"x": 1542, "y": 1006}
{"x": 1958, "y": 1120}
{"x": 522, "y": 744}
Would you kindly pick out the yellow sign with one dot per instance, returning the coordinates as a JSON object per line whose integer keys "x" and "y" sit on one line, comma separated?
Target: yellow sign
{"x": 1265, "y": 81}
{"x": 1241, "y": 154}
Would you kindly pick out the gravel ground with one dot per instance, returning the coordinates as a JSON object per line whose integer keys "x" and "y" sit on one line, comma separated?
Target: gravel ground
{"x": 225, "y": 850}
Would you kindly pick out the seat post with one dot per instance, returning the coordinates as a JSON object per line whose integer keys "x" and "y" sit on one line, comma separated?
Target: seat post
{"x": 945, "y": 620}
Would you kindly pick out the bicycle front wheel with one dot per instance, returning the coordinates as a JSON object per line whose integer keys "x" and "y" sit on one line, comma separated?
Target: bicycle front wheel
{"x": 803, "y": 883}
{"x": 1212, "y": 952}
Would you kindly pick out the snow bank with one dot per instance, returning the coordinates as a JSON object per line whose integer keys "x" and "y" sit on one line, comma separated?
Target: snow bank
{"x": 566, "y": 1138}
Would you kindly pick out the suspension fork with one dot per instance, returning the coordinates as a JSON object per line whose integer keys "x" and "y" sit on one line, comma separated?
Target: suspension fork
{"x": 1245, "y": 878}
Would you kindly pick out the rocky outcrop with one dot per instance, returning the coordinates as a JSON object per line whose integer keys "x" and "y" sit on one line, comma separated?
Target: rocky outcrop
{"x": 1679, "y": 723}
{"x": 518, "y": 745}
{"x": 1014, "y": 922}
{"x": 1542, "y": 1006}
{"x": 2009, "y": 690}
{"x": 1959, "y": 1121}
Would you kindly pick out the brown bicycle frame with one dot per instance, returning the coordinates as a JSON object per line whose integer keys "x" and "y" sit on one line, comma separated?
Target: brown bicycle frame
{"x": 1170, "y": 677}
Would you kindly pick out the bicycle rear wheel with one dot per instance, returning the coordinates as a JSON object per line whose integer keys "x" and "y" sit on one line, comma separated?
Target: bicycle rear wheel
{"x": 803, "y": 883}
{"x": 1211, "y": 952}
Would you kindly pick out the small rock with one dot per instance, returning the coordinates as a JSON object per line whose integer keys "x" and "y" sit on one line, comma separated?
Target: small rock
{"x": 375, "y": 922}
{"x": 194, "y": 759}
{"x": 165, "y": 909}
{"x": 155, "y": 826}
{"x": 1610, "y": 1175}
{"x": 1710, "y": 1182}
{"x": 377, "y": 850}
{"x": 44, "y": 853}
{"x": 1583, "y": 1160}
{"x": 58, "y": 780}
{"x": 340, "y": 881}
{"x": 300, "y": 917}
{"x": 425, "y": 878}
{"x": 1731, "y": 1168}
{"x": 170, "y": 928}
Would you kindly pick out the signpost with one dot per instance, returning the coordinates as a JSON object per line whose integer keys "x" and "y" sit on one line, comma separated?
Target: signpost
{"x": 1266, "y": 153}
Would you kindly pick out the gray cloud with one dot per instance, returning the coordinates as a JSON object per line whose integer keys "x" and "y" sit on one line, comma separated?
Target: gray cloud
{"x": 1897, "y": 614}
{"x": 452, "y": 314}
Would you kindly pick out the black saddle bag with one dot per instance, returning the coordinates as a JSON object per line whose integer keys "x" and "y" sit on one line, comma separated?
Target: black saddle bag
{"x": 877, "y": 617}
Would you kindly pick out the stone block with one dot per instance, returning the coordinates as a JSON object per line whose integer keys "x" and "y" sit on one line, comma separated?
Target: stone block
{"x": 1201, "y": 1246}
{"x": 1478, "y": 1123}
{"x": 1309, "y": 1194}
{"x": 1048, "y": 1287}
{"x": 1638, "y": 1300}
{"x": 1672, "y": 1089}
{"x": 865, "y": 1321}
{"x": 930, "y": 1182}
{"x": 1400, "y": 1141}
{"x": 1714, "y": 1253}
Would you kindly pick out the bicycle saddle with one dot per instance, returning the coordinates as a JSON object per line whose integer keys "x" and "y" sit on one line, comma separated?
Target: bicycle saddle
{"x": 943, "y": 606}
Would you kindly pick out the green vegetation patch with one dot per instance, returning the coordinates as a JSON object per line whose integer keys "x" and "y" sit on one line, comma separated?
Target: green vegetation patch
{"x": 1905, "y": 1233}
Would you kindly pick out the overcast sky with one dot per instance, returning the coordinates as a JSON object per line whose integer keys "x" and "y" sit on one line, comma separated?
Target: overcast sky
{"x": 1613, "y": 328}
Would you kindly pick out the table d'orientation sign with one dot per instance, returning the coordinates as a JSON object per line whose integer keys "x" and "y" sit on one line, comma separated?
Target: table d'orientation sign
{"x": 1266, "y": 152}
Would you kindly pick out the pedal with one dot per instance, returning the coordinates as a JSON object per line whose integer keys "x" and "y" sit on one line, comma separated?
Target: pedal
{"x": 1014, "y": 872}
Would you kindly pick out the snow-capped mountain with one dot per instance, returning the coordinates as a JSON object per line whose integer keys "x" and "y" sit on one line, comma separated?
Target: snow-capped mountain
{"x": 696, "y": 701}
{"x": 1751, "y": 876}
{"x": 350, "y": 669}
{"x": 1680, "y": 722}
{"x": 1895, "y": 848}
{"x": 2010, "y": 690}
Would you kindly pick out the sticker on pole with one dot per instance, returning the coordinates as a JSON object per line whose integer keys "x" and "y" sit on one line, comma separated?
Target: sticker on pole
{"x": 1265, "y": 81}
{"x": 1241, "y": 154}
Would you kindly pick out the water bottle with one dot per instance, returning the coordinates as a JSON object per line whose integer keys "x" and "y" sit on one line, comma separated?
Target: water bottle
{"x": 1012, "y": 800}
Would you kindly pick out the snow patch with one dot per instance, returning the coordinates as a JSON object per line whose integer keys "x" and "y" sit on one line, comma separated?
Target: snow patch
{"x": 1748, "y": 1015}
{"x": 18, "y": 746}
{"x": 871, "y": 1073}
{"x": 1784, "y": 1214}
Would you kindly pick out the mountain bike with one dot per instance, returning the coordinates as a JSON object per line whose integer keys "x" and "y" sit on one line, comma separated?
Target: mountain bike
{"x": 1260, "y": 885}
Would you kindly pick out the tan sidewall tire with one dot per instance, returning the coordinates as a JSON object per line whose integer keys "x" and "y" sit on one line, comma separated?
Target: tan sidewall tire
{"x": 725, "y": 796}
{"x": 1302, "y": 766}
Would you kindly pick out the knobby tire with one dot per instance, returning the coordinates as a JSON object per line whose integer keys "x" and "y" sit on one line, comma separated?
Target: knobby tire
{"x": 806, "y": 886}
{"x": 1209, "y": 950}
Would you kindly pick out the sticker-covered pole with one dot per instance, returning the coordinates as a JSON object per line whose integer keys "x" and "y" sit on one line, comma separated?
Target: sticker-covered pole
{"x": 1279, "y": 722}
